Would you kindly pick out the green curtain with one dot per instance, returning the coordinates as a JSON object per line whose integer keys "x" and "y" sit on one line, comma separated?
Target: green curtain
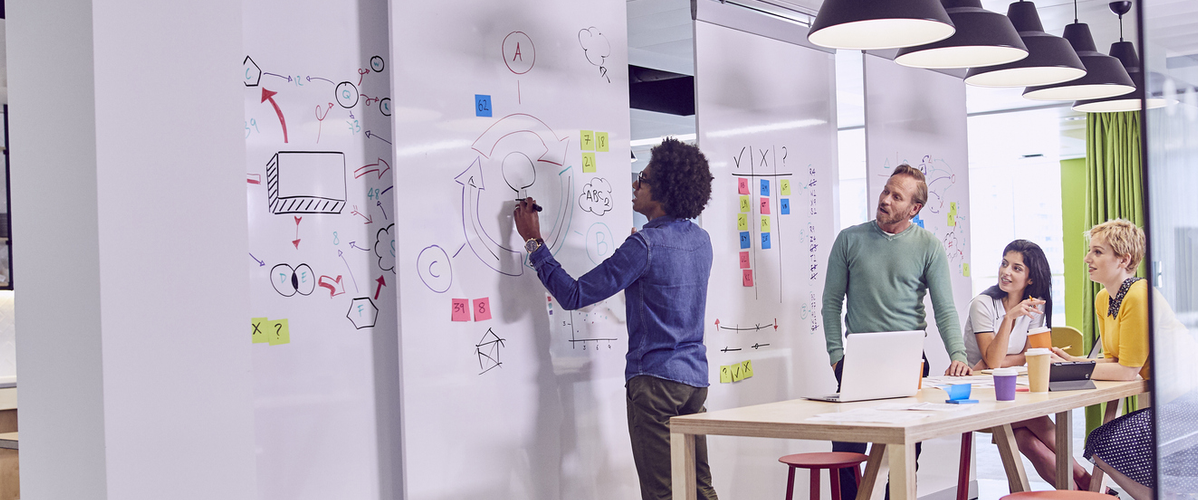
{"x": 1114, "y": 189}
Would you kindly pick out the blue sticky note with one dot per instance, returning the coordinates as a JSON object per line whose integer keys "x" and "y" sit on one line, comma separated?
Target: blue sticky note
{"x": 917, "y": 221}
{"x": 765, "y": 187}
{"x": 958, "y": 391}
{"x": 785, "y": 206}
{"x": 482, "y": 105}
{"x": 744, "y": 239}
{"x": 765, "y": 241}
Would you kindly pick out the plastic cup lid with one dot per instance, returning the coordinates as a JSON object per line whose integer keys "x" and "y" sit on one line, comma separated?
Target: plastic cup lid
{"x": 1005, "y": 372}
{"x": 1036, "y": 351}
{"x": 1038, "y": 329}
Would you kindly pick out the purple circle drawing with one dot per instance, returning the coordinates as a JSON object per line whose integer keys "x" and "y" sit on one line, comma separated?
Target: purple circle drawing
{"x": 434, "y": 268}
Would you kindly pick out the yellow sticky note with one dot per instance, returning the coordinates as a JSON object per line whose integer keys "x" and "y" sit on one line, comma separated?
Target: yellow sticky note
{"x": 965, "y": 269}
{"x": 725, "y": 374}
{"x": 587, "y": 140}
{"x": 952, "y": 219}
{"x": 952, "y": 208}
{"x": 588, "y": 162}
{"x": 745, "y": 204}
{"x": 738, "y": 373}
{"x": 765, "y": 223}
{"x": 277, "y": 331}
{"x": 785, "y": 187}
{"x": 601, "y": 142}
{"x": 258, "y": 330}
{"x": 746, "y": 368}
{"x": 742, "y": 222}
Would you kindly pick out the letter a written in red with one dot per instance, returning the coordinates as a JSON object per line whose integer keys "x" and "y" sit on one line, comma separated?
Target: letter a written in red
{"x": 517, "y": 55}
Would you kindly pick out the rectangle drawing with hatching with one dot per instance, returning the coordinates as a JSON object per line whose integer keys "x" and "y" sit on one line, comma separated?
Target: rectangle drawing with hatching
{"x": 306, "y": 182}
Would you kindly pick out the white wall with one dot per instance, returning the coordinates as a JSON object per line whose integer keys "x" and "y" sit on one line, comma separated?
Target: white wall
{"x": 128, "y": 202}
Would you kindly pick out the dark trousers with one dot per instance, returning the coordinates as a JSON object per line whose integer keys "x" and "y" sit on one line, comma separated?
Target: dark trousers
{"x": 848, "y": 485}
{"x": 651, "y": 403}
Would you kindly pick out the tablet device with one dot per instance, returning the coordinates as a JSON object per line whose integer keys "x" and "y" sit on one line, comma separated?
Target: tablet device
{"x": 1070, "y": 376}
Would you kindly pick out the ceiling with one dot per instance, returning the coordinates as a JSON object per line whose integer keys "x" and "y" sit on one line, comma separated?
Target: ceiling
{"x": 660, "y": 36}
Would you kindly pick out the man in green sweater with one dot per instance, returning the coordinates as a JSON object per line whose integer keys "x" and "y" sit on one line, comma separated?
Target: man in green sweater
{"x": 886, "y": 266}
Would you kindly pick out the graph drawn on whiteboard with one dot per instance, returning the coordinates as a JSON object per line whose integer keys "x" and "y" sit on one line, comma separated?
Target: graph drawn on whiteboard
{"x": 579, "y": 326}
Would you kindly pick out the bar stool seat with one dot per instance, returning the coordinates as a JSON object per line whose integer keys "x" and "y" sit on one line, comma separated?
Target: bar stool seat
{"x": 833, "y": 461}
{"x": 1057, "y": 495}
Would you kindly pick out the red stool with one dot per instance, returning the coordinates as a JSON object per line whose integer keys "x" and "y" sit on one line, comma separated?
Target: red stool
{"x": 833, "y": 461}
{"x": 1057, "y": 495}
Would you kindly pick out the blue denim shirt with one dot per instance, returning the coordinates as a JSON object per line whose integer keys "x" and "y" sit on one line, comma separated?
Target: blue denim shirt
{"x": 664, "y": 269}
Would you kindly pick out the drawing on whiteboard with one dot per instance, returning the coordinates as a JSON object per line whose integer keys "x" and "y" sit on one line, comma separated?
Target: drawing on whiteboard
{"x": 577, "y": 324}
{"x": 348, "y": 269}
{"x": 487, "y": 349}
{"x": 513, "y": 142}
{"x": 380, "y": 167}
{"x": 289, "y": 281}
{"x": 268, "y": 95}
{"x": 596, "y": 196}
{"x": 384, "y": 248}
{"x": 434, "y": 268}
{"x": 362, "y": 313}
{"x": 596, "y": 48}
{"x": 385, "y": 106}
{"x": 347, "y": 94}
{"x": 730, "y": 349}
{"x": 759, "y": 346}
{"x": 320, "y": 120}
{"x": 519, "y": 54}
{"x": 334, "y": 285}
{"x": 940, "y": 178}
{"x": 600, "y": 242}
{"x": 253, "y": 74}
{"x": 365, "y": 218}
{"x": 735, "y": 327}
{"x": 311, "y": 182}
{"x": 377, "y": 64}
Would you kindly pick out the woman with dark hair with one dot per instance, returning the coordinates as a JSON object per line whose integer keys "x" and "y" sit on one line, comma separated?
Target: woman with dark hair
{"x": 996, "y": 336}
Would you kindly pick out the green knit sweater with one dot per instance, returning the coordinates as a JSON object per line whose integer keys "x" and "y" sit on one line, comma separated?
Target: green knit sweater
{"x": 885, "y": 277}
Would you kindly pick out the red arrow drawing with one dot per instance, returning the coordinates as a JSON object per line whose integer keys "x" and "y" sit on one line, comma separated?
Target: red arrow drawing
{"x": 268, "y": 95}
{"x": 775, "y": 324}
{"x": 717, "y": 323}
{"x": 334, "y": 285}
{"x": 382, "y": 282}
{"x": 364, "y": 216}
{"x": 297, "y": 238}
{"x": 381, "y": 167}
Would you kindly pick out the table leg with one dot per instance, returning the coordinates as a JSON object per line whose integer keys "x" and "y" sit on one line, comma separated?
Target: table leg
{"x": 1065, "y": 450}
{"x": 1009, "y": 451}
{"x": 865, "y": 486}
{"x": 902, "y": 472}
{"x": 682, "y": 465}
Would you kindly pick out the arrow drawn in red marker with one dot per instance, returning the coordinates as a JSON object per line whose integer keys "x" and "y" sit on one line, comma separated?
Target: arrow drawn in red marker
{"x": 775, "y": 324}
{"x": 364, "y": 216}
{"x": 268, "y": 95}
{"x": 717, "y": 323}
{"x": 381, "y": 167}
{"x": 297, "y": 238}
{"x": 334, "y": 285}
{"x": 382, "y": 283}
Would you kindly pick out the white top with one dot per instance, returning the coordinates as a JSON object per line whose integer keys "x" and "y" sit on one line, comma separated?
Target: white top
{"x": 985, "y": 315}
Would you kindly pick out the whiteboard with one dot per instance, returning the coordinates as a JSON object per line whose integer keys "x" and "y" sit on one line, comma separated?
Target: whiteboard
{"x": 320, "y": 195}
{"x": 766, "y": 118}
{"x": 501, "y": 398}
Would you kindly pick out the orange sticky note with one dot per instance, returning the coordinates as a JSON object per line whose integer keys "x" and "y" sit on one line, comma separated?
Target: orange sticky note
{"x": 742, "y": 186}
{"x": 744, "y": 260}
{"x": 747, "y": 279}
{"x": 482, "y": 309}
{"x": 765, "y": 205}
{"x": 461, "y": 310}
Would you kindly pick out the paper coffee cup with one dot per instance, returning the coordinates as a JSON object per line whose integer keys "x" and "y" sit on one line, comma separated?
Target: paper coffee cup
{"x": 1038, "y": 362}
{"x": 1004, "y": 383}
{"x": 1039, "y": 337}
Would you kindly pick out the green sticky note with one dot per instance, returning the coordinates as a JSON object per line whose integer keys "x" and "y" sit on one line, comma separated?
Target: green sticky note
{"x": 587, "y": 140}
{"x": 725, "y": 374}
{"x": 258, "y": 330}
{"x": 601, "y": 142}
{"x": 952, "y": 219}
{"x": 278, "y": 332}
{"x": 785, "y": 187}
{"x": 745, "y": 204}
{"x": 588, "y": 162}
{"x": 765, "y": 223}
{"x": 746, "y": 367}
{"x": 965, "y": 269}
{"x": 742, "y": 222}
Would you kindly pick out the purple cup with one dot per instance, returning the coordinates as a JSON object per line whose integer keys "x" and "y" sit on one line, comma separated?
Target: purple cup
{"x": 1004, "y": 384}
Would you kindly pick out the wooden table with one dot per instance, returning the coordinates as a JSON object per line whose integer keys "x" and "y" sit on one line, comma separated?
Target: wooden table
{"x": 788, "y": 420}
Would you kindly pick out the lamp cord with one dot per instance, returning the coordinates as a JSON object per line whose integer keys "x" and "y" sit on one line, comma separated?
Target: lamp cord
{"x": 1075, "y": 11}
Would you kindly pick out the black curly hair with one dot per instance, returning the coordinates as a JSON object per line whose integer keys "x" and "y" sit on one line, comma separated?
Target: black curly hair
{"x": 681, "y": 179}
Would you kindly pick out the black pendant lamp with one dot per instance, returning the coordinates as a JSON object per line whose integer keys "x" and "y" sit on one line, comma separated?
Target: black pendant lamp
{"x": 1125, "y": 52}
{"x": 983, "y": 38}
{"x": 879, "y": 24}
{"x": 1105, "y": 75}
{"x": 1050, "y": 59}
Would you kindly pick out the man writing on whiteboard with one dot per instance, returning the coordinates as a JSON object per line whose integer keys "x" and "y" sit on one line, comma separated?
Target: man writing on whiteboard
{"x": 663, "y": 270}
{"x": 885, "y": 267}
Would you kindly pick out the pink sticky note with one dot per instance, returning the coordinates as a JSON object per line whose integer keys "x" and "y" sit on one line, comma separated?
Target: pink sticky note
{"x": 748, "y": 277}
{"x": 765, "y": 205}
{"x": 744, "y": 260}
{"x": 482, "y": 309}
{"x": 742, "y": 185}
{"x": 461, "y": 310}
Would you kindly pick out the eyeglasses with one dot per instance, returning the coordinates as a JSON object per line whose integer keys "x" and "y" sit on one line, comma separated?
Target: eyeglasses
{"x": 639, "y": 178}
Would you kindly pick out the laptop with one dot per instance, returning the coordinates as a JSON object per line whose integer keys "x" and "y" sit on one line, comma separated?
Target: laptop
{"x": 879, "y": 365}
